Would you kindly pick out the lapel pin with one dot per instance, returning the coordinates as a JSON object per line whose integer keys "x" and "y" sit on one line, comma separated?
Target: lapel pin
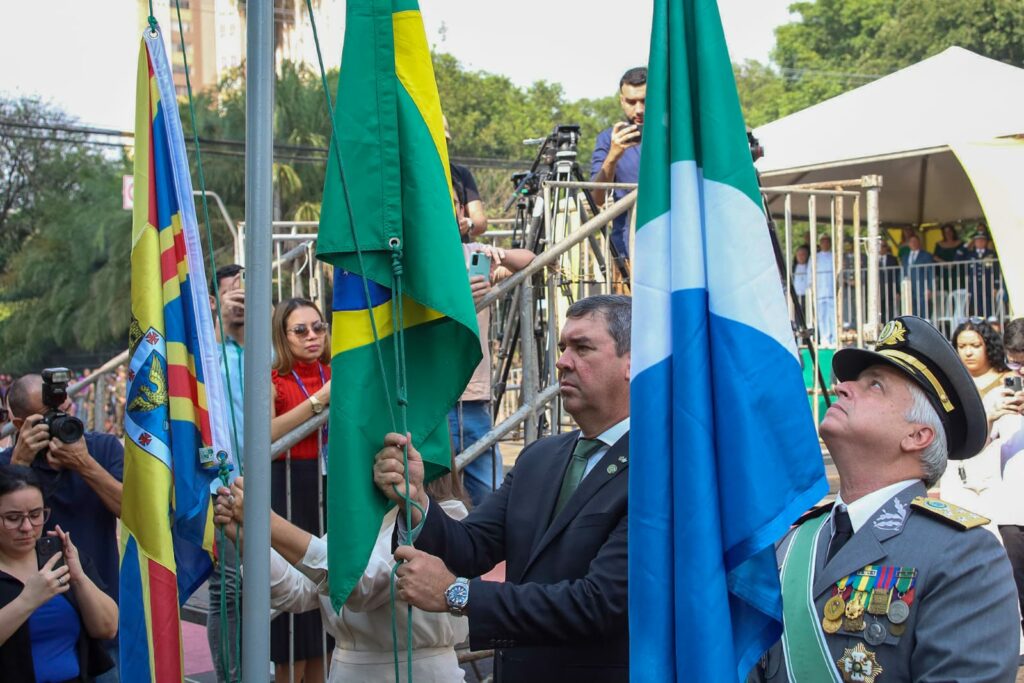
{"x": 622, "y": 458}
{"x": 612, "y": 469}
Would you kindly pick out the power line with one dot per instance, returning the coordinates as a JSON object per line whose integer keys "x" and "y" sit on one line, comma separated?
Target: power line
{"x": 235, "y": 148}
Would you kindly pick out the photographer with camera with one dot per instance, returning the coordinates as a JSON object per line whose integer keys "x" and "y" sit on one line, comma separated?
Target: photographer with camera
{"x": 616, "y": 156}
{"x": 80, "y": 472}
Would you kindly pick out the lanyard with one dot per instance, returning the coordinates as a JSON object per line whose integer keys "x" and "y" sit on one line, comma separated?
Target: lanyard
{"x": 305, "y": 392}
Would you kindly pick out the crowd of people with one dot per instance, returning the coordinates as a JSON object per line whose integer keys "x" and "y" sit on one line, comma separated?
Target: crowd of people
{"x": 887, "y": 578}
{"x": 959, "y": 278}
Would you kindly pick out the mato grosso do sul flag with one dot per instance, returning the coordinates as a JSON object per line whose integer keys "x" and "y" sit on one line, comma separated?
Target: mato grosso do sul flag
{"x": 394, "y": 211}
{"x": 724, "y": 452}
{"x": 175, "y": 424}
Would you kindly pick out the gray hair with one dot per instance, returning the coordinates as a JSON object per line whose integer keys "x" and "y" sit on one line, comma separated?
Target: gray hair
{"x": 934, "y": 456}
{"x": 618, "y": 316}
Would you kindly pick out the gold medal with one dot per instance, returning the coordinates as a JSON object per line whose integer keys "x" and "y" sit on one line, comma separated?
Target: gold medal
{"x": 831, "y": 625}
{"x": 834, "y": 608}
{"x": 859, "y": 665}
{"x": 879, "y": 603}
{"x": 855, "y": 625}
{"x": 854, "y": 608}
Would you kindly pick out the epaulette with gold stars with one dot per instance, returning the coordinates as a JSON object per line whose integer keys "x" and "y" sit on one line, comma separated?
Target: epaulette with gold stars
{"x": 953, "y": 515}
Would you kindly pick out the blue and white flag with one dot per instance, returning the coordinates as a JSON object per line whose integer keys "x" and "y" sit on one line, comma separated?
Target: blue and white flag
{"x": 724, "y": 455}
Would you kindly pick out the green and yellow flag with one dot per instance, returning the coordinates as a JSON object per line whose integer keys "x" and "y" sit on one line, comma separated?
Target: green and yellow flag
{"x": 392, "y": 215}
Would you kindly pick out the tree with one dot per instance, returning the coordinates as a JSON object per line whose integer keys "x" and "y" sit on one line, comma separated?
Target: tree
{"x": 67, "y": 287}
{"x": 837, "y": 45}
{"x": 36, "y": 159}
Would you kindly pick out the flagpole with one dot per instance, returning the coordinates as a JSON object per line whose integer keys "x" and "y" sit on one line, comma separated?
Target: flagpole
{"x": 259, "y": 107}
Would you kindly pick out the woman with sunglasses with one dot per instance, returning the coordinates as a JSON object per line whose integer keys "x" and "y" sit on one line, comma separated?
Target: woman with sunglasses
{"x": 53, "y": 618}
{"x": 301, "y": 387}
{"x": 974, "y": 483}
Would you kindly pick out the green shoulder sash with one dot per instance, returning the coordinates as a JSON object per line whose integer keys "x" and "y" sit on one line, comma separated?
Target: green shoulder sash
{"x": 803, "y": 642}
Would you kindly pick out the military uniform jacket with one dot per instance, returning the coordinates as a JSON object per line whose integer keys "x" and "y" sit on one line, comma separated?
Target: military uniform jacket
{"x": 963, "y": 624}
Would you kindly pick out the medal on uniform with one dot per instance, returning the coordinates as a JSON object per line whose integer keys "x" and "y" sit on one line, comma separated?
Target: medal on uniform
{"x": 881, "y": 596}
{"x": 897, "y": 629}
{"x": 853, "y": 619}
{"x": 898, "y": 612}
{"x": 859, "y": 665}
{"x": 831, "y": 626}
{"x": 835, "y": 607}
{"x": 874, "y": 633}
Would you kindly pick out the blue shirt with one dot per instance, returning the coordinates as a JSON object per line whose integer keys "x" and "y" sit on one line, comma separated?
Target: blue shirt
{"x": 79, "y": 510}
{"x": 627, "y": 170}
{"x": 54, "y": 628}
{"x": 235, "y": 354}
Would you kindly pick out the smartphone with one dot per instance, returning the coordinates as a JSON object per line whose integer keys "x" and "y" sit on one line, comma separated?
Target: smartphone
{"x": 639, "y": 130}
{"x": 1014, "y": 383}
{"x": 480, "y": 264}
{"x": 47, "y": 547}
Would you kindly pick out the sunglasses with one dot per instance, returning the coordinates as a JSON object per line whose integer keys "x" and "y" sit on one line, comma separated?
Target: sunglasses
{"x": 319, "y": 329}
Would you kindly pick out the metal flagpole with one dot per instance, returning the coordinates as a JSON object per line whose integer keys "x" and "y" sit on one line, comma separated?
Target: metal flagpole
{"x": 259, "y": 107}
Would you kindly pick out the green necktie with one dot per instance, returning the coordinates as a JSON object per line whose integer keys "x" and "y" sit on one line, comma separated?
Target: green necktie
{"x": 577, "y": 466}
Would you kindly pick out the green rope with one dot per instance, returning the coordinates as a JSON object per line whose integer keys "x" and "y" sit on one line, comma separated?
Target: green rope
{"x": 351, "y": 218}
{"x": 400, "y": 370}
{"x": 224, "y": 475}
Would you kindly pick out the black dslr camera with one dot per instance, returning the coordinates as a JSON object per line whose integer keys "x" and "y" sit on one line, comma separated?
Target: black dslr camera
{"x": 67, "y": 428}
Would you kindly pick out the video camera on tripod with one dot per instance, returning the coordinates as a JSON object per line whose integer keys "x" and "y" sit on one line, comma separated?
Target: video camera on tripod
{"x": 557, "y": 155}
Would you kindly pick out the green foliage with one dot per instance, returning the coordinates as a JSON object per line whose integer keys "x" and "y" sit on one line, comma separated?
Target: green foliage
{"x": 67, "y": 287}
{"x": 836, "y": 45}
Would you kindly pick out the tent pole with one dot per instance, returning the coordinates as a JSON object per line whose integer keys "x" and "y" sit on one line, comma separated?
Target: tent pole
{"x": 872, "y": 184}
{"x": 259, "y": 108}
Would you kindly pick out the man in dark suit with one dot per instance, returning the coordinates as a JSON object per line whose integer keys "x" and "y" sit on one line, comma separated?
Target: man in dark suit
{"x": 983, "y": 275}
{"x": 918, "y": 266}
{"x": 558, "y": 521}
{"x": 888, "y": 281}
{"x": 890, "y": 584}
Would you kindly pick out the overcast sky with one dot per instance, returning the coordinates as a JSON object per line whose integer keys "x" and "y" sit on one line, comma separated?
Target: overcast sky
{"x": 83, "y": 59}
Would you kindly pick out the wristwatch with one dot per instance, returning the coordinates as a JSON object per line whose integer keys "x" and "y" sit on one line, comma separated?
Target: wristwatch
{"x": 457, "y": 597}
{"x": 315, "y": 403}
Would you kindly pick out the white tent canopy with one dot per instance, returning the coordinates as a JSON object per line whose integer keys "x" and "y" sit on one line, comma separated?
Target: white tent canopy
{"x": 913, "y": 128}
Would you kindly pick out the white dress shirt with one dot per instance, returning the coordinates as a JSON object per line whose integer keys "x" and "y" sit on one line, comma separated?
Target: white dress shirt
{"x": 608, "y": 437}
{"x": 863, "y": 509}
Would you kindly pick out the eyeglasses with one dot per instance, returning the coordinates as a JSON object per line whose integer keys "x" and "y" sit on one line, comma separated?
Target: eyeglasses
{"x": 14, "y": 520}
{"x": 319, "y": 329}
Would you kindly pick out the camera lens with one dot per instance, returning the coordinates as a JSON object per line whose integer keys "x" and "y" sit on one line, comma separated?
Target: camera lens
{"x": 67, "y": 428}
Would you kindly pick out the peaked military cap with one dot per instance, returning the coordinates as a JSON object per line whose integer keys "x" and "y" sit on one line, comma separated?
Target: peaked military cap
{"x": 913, "y": 346}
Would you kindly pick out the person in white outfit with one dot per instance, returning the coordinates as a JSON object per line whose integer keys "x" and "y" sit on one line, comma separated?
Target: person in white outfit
{"x": 363, "y": 649}
{"x": 825, "y": 291}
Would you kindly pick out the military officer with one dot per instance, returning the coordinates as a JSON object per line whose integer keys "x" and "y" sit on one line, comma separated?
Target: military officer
{"x": 888, "y": 584}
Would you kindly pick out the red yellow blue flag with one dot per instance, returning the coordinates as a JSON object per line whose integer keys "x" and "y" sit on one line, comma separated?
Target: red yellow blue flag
{"x": 175, "y": 425}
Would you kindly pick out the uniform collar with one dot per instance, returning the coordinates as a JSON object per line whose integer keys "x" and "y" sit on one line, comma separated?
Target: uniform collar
{"x": 864, "y": 508}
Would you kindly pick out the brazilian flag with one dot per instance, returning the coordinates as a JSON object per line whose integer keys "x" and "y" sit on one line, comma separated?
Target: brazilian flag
{"x": 397, "y": 199}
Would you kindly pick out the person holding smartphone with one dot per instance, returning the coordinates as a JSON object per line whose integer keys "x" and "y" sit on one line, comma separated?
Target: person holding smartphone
{"x": 53, "y": 615}
{"x": 470, "y": 419}
{"x": 616, "y": 157}
{"x": 1008, "y": 433}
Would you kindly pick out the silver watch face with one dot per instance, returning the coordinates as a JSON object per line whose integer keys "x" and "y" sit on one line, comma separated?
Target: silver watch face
{"x": 457, "y": 595}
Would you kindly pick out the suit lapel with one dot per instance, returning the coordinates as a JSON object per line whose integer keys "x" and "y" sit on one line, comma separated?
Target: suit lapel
{"x": 865, "y": 547}
{"x": 588, "y": 488}
{"x": 547, "y": 494}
